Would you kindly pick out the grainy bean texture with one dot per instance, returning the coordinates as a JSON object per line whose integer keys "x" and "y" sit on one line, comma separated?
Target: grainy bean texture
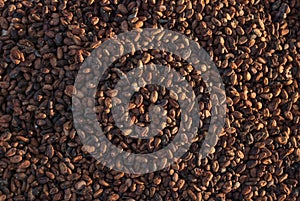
{"x": 256, "y": 47}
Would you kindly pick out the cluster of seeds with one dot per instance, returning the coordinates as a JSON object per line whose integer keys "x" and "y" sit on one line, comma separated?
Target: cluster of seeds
{"x": 255, "y": 45}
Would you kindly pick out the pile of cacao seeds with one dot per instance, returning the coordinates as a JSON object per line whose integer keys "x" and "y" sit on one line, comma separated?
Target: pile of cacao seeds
{"x": 255, "y": 45}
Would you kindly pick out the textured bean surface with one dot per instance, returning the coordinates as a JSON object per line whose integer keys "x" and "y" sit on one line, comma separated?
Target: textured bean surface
{"x": 254, "y": 43}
